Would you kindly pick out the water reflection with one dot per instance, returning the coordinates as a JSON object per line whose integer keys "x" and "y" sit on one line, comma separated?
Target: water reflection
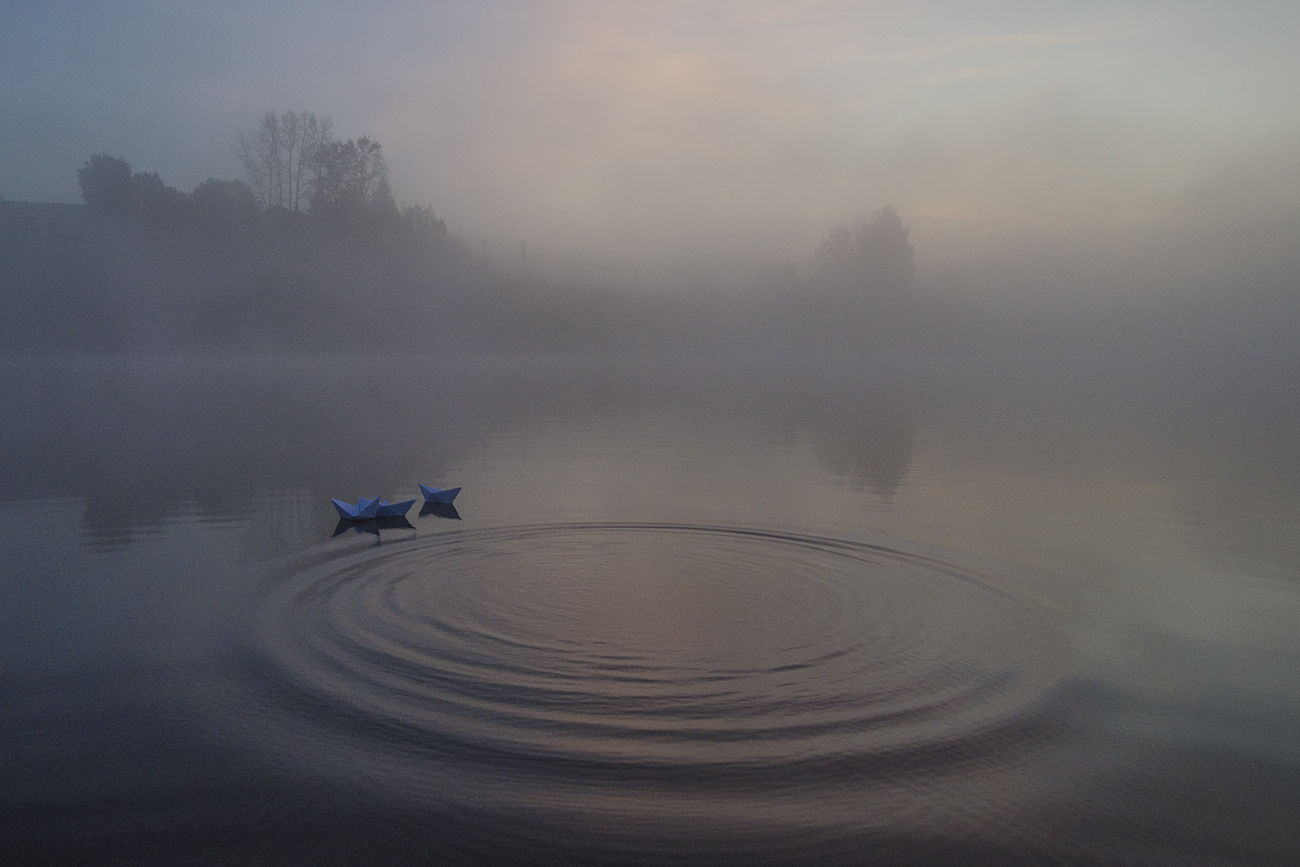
{"x": 113, "y": 526}
{"x": 372, "y": 526}
{"x": 864, "y": 435}
{"x": 146, "y": 439}
{"x": 439, "y": 510}
{"x": 699, "y": 657}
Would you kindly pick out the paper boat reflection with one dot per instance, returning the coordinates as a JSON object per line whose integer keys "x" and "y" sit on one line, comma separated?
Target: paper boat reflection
{"x": 438, "y": 495}
{"x": 373, "y": 525}
{"x": 441, "y": 510}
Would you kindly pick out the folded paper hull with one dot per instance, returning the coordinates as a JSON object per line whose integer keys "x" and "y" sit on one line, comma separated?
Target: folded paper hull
{"x": 437, "y": 495}
{"x": 393, "y": 510}
{"x": 362, "y": 511}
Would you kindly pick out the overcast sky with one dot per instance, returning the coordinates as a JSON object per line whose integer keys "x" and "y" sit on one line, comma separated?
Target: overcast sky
{"x": 693, "y": 133}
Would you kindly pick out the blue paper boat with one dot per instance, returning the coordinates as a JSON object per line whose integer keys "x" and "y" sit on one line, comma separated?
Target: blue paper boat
{"x": 437, "y": 495}
{"x": 364, "y": 510}
{"x": 393, "y": 510}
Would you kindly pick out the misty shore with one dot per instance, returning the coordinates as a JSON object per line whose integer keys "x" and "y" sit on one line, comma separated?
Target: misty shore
{"x": 74, "y": 281}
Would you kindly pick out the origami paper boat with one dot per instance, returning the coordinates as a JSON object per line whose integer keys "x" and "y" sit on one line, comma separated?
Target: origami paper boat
{"x": 364, "y": 510}
{"x": 393, "y": 510}
{"x": 438, "y": 495}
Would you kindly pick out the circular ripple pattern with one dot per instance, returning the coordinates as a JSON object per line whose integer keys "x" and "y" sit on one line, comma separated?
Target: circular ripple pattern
{"x": 669, "y": 649}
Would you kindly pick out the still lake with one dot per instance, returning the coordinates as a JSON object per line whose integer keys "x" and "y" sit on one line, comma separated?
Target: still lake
{"x": 689, "y": 611}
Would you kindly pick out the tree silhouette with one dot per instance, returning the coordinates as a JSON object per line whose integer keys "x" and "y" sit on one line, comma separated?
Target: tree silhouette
{"x": 105, "y": 183}
{"x": 223, "y": 203}
{"x": 108, "y": 186}
{"x": 151, "y": 197}
{"x": 351, "y": 184}
{"x": 281, "y": 158}
{"x": 873, "y": 257}
{"x": 423, "y": 224}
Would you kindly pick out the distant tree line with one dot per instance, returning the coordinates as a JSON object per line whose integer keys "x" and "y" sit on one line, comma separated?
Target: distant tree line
{"x": 872, "y": 256}
{"x": 110, "y": 188}
{"x": 294, "y": 161}
{"x": 292, "y": 164}
{"x": 858, "y": 288}
{"x": 282, "y": 158}
{"x": 309, "y": 250}
{"x": 870, "y": 259}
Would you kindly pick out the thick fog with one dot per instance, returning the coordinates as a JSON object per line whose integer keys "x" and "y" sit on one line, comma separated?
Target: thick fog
{"x": 644, "y": 174}
{"x": 877, "y": 423}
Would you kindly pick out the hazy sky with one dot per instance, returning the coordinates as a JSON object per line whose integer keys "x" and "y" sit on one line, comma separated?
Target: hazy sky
{"x": 693, "y": 133}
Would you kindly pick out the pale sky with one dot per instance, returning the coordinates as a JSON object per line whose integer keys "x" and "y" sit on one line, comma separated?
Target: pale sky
{"x": 695, "y": 136}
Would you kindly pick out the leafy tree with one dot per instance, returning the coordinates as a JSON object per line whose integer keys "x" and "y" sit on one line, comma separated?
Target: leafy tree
{"x": 223, "y": 203}
{"x": 873, "y": 256}
{"x": 105, "y": 183}
{"x": 351, "y": 183}
{"x": 348, "y": 173}
{"x": 383, "y": 208}
{"x": 109, "y": 186}
{"x": 423, "y": 224}
{"x": 151, "y": 197}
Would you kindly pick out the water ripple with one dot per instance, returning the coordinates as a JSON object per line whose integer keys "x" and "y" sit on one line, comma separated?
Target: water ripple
{"x": 655, "y": 653}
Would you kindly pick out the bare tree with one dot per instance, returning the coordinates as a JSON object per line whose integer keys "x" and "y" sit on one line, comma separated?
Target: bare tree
{"x": 258, "y": 154}
{"x": 305, "y": 139}
{"x": 281, "y": 156}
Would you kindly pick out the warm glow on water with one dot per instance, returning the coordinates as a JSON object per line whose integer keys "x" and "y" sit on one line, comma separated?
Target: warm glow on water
{"x": 743, "y": 614}
{"x": 875, "y": 423}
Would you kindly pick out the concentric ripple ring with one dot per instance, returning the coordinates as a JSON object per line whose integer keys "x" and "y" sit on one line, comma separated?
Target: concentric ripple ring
{"x": 603, "y": 649}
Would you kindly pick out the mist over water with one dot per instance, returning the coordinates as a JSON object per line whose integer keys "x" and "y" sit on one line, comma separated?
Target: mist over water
{"x": 749, "y": 611}
{"x": 876, "y": 428}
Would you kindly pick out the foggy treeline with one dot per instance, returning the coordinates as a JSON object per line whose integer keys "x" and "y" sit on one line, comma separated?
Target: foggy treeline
{"x": 313, "y": 253}
{"x": 309, "y": 251}
{"x": 210, "y": 271}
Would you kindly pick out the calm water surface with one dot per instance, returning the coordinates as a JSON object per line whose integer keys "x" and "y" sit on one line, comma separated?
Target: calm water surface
{"x": 901, "y": 611}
